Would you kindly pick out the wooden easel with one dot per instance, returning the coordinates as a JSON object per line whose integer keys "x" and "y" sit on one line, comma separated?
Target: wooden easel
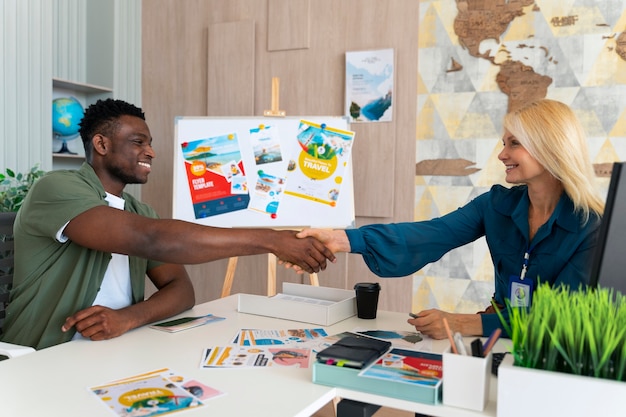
{"x": 271, "y": 276}
{"x": 274, "y": 111}
{"x": 271, "y": 258}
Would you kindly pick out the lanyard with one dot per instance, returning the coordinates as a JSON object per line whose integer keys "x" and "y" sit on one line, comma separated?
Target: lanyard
{"x": 525, "y": 263}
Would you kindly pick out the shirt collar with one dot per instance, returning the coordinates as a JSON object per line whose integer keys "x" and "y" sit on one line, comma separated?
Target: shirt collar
{"x": 564, "y": 215}
{"x": 87, "y": 172}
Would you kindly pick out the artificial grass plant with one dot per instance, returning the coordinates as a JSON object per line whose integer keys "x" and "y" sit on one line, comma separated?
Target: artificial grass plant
{"x": 577, "y": 332}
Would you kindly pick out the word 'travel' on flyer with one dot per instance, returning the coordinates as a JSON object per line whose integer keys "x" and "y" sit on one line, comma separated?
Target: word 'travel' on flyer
{"x": 316, "y": 171}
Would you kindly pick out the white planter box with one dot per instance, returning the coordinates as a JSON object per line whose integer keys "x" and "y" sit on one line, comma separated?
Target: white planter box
{"x": 527, "y": 392}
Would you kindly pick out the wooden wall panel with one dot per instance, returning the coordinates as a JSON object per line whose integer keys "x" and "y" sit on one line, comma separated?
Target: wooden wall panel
{"x": 374, "y": 164}
{"x": 288, "y": 25}
{"x": 174, "y": 82}
{"x": 230, "y": 85}
{"x": 312, "y": 82}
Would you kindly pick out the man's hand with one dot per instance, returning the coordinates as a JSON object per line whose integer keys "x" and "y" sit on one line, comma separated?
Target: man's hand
{"x": 334, "y": 240}
{"x": 307, "y": 253}
{"x": 99, "y": 323}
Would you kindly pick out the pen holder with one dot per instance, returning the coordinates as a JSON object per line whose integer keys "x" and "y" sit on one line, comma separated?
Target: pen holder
{"x": 466, "y": 380}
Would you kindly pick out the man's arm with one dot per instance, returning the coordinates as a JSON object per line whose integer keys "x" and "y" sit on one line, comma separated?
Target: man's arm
{"x": 175, "y": 294}
{"x": 176, "y": 241}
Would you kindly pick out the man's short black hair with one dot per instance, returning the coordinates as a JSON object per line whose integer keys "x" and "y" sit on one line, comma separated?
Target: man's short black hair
{"x": 103, "y": 117}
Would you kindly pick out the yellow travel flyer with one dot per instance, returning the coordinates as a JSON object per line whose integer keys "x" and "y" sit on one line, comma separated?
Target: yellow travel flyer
{"x": 154, "y": 393}
{"x": 316, "y": 171}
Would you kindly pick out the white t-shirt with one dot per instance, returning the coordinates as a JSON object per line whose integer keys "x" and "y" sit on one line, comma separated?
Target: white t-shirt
{"x": 115, "y": 291}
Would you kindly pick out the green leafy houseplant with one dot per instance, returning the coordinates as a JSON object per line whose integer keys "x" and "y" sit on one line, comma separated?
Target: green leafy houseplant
{"x": 14, "y": 186}
{"x": 581, "y": 332}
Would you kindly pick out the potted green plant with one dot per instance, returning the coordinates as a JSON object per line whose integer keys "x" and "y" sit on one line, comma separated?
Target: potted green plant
{"x": 573, "y": 343}
{"x": 14, "y": 187}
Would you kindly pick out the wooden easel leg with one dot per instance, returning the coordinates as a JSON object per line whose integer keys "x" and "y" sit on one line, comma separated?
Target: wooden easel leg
{"x": 230, "y": 275}
{"x": 271, "y": 274}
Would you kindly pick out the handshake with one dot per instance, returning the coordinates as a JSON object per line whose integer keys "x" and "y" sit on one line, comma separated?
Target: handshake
{"x": 311, "y": 249}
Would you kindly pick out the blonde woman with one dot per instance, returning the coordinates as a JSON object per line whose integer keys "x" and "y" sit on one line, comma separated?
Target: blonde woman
{"x": 543, "y": 227}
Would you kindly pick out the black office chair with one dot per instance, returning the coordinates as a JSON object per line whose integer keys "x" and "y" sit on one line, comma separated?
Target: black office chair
{"x": 7, "y": 350}
{"x": 6, "y": 261}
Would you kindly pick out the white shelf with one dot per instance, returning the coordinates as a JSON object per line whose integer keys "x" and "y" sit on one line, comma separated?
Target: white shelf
{"x": 67, "y": 155}
{"x": 86, "y": 94}
{"x": 80, "y": 87}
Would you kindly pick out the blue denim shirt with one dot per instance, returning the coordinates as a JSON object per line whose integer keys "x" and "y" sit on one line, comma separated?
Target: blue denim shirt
{"x": 562, "y": 248}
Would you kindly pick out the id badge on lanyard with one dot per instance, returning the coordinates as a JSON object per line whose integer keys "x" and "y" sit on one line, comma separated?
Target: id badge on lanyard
{"x": 520, "y": 289}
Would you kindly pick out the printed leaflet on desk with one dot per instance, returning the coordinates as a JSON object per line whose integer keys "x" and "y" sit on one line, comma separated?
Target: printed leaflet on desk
{"x": 255, "y": 337}
{"x": 183, "y": 323}
{"x": 255, "y": 356}
{"x": 407, "y": 366}
{"x": 154, "y": 393}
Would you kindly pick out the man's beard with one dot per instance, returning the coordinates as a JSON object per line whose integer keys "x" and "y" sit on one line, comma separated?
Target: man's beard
{"x": 124, "y": 177}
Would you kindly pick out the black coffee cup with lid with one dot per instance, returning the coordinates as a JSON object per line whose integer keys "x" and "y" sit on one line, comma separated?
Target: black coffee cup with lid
{"x": 367, "y": 299}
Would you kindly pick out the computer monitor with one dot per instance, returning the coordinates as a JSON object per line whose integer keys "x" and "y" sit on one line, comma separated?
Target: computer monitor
{"x": 609, "y": 261}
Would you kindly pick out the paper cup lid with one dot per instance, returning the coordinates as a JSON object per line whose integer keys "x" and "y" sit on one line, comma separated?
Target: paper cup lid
{"x": 367, "y": 286}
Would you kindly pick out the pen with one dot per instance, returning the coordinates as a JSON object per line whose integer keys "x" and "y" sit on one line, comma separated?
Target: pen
{"x": 477, "y": 348}
{"x": 452, "y": 344}
{"x": 460, "y": 346}
{"x": 493, "y": 338}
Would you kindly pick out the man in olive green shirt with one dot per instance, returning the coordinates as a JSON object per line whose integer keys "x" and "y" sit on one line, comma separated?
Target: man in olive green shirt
{"x": 83, "y": 246}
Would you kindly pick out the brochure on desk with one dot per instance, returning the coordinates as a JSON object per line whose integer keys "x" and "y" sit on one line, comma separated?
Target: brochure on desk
{"x": 255, "y": 337}
{"x": 255, "y": 357}
{"x": 154, "y": 393}
{"x": 407, "y": 366}
{"x": 184, "y": 323}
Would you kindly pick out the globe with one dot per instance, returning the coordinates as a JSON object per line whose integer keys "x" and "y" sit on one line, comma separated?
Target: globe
{"x": 67, "y": 112}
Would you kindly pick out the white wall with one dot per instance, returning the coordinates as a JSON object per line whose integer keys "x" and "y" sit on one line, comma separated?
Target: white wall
{"x": 25, "y": 76}
{"x": 93, "y": 41}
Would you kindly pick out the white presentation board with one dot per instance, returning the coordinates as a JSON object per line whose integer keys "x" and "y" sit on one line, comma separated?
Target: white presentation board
{"x": 274, "y": 172}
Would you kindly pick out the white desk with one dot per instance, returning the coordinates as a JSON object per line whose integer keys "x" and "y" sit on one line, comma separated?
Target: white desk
{"x": 54, "y": 381}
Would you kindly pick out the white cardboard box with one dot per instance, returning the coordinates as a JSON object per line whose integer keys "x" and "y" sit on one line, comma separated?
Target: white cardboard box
{"x": 307, "y": 303}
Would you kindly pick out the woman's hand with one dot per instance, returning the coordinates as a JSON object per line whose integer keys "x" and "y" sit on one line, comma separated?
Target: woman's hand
{"x": 430, "y": 323}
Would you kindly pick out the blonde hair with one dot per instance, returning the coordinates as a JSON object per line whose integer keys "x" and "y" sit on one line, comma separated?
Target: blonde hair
{"x": 553, "y": 135}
